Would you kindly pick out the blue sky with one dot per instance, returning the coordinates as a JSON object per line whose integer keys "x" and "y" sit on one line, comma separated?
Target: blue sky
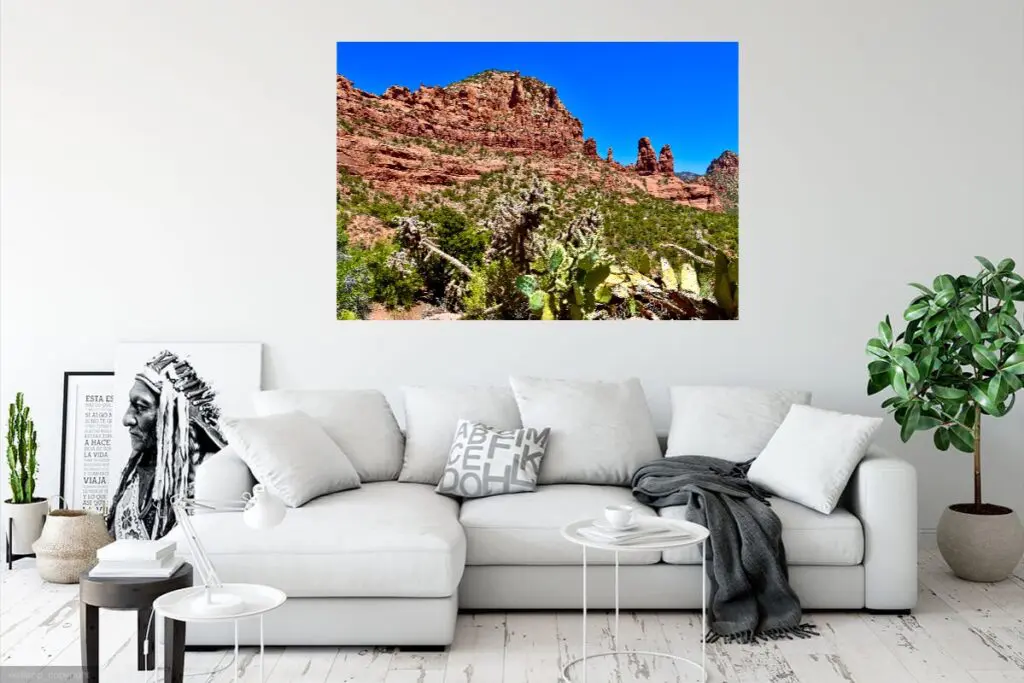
{"x": 681, "y": 94}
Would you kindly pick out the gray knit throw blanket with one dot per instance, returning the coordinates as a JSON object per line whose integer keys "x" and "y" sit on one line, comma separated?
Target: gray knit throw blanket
{"x": 750, "y": 597}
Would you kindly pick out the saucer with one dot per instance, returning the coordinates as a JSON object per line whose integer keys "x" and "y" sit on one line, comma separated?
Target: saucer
{"x": 604, "y": 525}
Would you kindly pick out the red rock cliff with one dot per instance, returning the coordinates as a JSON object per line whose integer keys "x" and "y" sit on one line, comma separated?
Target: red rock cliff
{"x": 412, "y": 141}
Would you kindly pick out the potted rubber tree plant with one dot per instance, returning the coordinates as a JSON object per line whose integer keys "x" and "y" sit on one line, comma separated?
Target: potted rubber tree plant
{"x": 25, "y": 513}
{"x": 959, "y": 359}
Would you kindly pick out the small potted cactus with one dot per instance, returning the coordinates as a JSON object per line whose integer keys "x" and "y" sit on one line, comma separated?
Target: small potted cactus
{"x": 24, "y": 512}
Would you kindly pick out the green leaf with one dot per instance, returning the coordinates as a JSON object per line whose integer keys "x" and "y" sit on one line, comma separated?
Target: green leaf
{"x": 967, "y": 327}
{"x": 944, "y": 283}
{"x": 984, "y": 357}
{"x": 949, "y": 393}
{"x": 598, "y": 275}
{"x": 878, "y": 367}
{"x": 986, "y": 264}
{"x": 891, "y": 401}
{"x": 999, "y": 288}
{"x": 961, "y": 438}
{"x": 916, "y": 312}
{"x": 997, "y": 390}
{"x": 877, "y": 383}
{"x": 911, "y": 371}
{"x": 909, "y": 423}
{"x": 603, "y": 294}
{"x": 1012, "y": 381}
{"x": 980, "y": 395}
{"x": 943, "y": 298}
{"x": 1014, "y": 368}
{"x": 941, "y": 438}
{"x": 577, "y": 294}
{"x": 885, "y": 331}
{"x": 1006, "y": 265}
{"x": 902, "y": 350}
{"x": 526, "y": 284}
{"x": 899, "y": 384}
{"x": 878, "y": 348}
{"x": 537, "y": 300}
{"x": 923, "y": 289}
{"x": 927, "y": 422}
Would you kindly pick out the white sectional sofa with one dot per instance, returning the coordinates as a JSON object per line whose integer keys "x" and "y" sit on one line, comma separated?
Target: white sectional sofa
{"x": 392, "y": 562}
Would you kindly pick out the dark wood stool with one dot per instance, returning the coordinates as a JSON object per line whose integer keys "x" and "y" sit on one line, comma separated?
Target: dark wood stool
{"x": 126, "y": 593}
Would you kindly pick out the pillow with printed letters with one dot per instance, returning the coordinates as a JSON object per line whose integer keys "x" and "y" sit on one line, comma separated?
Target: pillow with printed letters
{"x": 488, "y": 462}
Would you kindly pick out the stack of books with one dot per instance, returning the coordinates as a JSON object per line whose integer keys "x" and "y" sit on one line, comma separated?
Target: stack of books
{"x": 635, "y": 534}
{"x": 129, "y": 558}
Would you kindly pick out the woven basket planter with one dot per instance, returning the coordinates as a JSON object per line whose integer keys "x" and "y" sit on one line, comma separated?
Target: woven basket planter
{"x": 68, "y": 544}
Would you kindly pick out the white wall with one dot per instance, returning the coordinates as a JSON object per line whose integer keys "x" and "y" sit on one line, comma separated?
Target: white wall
{"x": 168, "y": 173}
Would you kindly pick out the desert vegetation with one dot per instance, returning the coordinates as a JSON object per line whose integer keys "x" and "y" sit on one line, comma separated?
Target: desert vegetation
{"x": 513, "y": 244}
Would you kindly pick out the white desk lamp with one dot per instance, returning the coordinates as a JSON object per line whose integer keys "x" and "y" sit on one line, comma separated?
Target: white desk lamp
{"x": 260, "y": 510}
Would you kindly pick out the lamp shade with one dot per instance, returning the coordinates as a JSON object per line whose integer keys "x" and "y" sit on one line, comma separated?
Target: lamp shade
{"x": 264, "y": 510}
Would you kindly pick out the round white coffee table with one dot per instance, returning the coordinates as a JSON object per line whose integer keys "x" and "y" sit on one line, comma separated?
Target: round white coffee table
{"x": 180, "y": 607}
{"x": 695, "y": 534}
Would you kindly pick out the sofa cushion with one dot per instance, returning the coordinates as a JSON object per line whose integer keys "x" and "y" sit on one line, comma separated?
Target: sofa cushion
{"x": 733, "y": 423}
{"x": 291, "y": 455}
{"x": 810, "y": 537}
{"x": 601, "y": 432}
{"x": 384, "y": 539}
{"x": 527, "y": 528}
{"x": 360, "y": 421}
{"x": 431, "y": 415}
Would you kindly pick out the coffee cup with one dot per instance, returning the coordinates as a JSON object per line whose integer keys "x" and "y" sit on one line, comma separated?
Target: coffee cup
{"x": 619, "y": 516}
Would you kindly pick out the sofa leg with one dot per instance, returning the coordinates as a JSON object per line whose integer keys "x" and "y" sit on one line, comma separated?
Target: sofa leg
{"x": 422, "y": 648}
{"x": 888, "y": 612}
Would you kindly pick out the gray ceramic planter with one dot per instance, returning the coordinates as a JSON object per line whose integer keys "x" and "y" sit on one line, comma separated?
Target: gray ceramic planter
{"x": 981, "y": 547}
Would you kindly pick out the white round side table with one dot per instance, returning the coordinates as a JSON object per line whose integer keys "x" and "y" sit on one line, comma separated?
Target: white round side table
{"x": 176, "y": 608}
{"x": 695, "y": 534}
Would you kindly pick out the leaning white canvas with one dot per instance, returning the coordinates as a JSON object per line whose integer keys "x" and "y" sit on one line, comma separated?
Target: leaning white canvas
{"x": 216, "y": 379}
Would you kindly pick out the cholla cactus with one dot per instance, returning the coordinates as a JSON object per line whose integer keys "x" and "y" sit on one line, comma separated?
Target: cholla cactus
{"x": 401, "y": 262}
{"x": 21, "y": 451}
{"x": 417, "y": 239}
{"x": 584, "y": 229}
{"x": 516, "y": 221}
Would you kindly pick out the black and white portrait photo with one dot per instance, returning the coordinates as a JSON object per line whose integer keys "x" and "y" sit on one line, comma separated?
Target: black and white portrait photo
{"x": 167, "y": 416}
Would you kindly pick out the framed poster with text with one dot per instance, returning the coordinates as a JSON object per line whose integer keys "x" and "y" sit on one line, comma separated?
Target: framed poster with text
{"x": 88, "y": 425}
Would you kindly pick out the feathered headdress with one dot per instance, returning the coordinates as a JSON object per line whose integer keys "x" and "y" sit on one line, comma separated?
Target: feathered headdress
{"x": 186, "y": 400}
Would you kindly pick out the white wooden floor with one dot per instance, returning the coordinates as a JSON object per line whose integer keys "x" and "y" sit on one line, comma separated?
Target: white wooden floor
{"x": 960, "y": 632}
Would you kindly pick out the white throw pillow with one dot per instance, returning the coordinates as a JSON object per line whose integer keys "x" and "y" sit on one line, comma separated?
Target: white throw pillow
{"x": 733, "y": 423}
{"x": 359, "y": 421}
{"x": 431, "y": 415}
{"x": 812, "y": 456}
{"x": 601, "y": 432}
{"x": 291, "y": 455}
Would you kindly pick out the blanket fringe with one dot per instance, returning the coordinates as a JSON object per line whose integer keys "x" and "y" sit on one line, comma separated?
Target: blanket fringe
{"x": 802, "y": 631}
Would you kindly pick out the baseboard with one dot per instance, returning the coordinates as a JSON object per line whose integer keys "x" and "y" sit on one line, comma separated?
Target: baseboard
{"x": 888, "y": 612}
{"x": 403, "y": 648}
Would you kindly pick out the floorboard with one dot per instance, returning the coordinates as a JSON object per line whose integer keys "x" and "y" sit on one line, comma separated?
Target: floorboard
{"x": 960, "y": 632}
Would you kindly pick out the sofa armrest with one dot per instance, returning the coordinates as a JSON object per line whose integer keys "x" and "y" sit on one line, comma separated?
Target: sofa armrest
{"x": 223, "y": 476}
{"x": 883, "y": 495}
